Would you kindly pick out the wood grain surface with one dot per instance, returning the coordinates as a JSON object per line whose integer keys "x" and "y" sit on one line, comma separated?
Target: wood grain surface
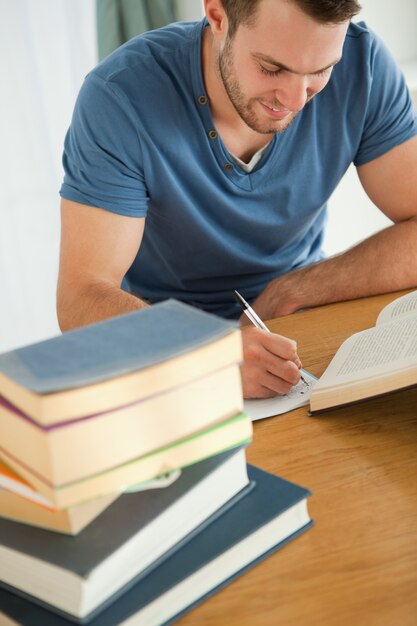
{"x": 358, "y": 564}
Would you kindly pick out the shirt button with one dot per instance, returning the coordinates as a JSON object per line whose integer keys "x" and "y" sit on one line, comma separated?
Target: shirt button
{"x": 228, "y": 166}
{"x": 202, "y": 100}
{"x": 212, "y": 134}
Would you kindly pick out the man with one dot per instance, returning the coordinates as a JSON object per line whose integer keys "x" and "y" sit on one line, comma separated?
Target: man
{"x": 200, "y": 160}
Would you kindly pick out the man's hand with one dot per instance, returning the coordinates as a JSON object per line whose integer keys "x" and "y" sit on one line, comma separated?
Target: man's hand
{"x": 271, "y": 364}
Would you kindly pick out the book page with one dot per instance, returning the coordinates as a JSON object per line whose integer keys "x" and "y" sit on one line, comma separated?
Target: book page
{"x": 267, "y": 407}
{"x": 385, "y": 348}
{"x": 406, "y": 306}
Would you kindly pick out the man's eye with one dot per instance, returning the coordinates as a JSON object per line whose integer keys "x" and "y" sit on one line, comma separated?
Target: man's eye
{"x": 268, "y": 72}
{"x": 323, "y": 72}
{"x": 264, "y": 70}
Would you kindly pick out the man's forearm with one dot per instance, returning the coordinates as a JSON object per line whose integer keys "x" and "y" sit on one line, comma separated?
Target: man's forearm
{"x": 97, "y": 301}
{"x": 385, "y": 262}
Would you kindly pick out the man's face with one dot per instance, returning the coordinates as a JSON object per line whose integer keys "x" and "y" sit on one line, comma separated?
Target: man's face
{"x": 272, "y": 69}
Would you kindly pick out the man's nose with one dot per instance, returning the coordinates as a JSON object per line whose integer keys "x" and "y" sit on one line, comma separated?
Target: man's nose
{"x": 293, "y": 92}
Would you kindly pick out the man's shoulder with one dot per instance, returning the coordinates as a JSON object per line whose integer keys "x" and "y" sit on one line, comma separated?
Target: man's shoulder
{"x": 361, "y": 39}
{"x": 365, "y": 58}
{"x": 357, "y": 30}
{"x": 160, "y": 47}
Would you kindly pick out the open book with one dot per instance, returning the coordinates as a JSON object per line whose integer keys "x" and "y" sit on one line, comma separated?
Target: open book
{"x": 373, "y": 362}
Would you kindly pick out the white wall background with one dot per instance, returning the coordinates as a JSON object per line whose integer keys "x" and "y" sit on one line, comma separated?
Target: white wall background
{"x": 46, "y": 48}
{"x": 352, "y": 216}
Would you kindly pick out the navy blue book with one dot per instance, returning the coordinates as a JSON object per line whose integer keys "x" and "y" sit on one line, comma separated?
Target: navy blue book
{"x": 80, "y": 575}
{"x": 117, "y": 361}
{"x": 267, "y": 518}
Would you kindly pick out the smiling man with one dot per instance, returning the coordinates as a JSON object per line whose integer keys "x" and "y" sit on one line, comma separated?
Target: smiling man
{"x": 200, "y": 159}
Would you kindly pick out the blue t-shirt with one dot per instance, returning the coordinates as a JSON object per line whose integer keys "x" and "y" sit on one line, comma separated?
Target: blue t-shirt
{"x": 142, "y": 143}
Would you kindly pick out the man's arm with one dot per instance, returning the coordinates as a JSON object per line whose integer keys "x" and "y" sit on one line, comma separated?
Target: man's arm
{"x": 97, "y": 249}
{"x": 385, "y": 262}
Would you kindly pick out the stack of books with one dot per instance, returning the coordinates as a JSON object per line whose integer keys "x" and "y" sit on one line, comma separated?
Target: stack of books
{"x": 125, "y": 495}
{"x": 122, "y": 401}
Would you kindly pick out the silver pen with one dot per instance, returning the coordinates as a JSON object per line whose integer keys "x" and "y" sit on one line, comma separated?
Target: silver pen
{"x": 255, "y": 319}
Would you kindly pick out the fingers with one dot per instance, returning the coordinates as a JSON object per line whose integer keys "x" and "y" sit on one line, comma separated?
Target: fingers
{"x": 258, "y": 383}
{"x": 271, "y": 364}
{"x": 278, "y": 345}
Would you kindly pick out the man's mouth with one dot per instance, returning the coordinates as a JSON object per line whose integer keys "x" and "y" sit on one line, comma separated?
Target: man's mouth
{"x": 278, "y": 114}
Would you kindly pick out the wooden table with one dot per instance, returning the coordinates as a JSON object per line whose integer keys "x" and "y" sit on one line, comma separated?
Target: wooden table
{"x": 358, "y": 565}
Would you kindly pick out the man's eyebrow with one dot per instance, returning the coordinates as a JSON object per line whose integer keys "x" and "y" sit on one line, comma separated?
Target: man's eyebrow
{"x": 281, "y": 66}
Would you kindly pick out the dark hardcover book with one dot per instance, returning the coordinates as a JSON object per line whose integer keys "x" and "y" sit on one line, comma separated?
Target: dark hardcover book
{"x": 79, "y": 574}
{"x": 50, "y": 380}
{"x": 267, "y": 518}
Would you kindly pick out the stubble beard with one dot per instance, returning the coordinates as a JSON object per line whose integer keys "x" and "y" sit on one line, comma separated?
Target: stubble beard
{"x": 243, "y": 106}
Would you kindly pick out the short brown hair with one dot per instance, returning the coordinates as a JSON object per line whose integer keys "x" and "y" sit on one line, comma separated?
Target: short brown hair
{"x": 325, "y": 11}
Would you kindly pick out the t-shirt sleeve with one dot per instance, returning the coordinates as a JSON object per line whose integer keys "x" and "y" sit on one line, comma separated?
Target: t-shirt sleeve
{"x": 102, "y": 157}
{"x": 390, "y": 117}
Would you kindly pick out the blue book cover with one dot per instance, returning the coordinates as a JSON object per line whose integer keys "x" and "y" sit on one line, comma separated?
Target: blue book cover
{"x": 113, "y": 347}
{"x": 267, "y": 518}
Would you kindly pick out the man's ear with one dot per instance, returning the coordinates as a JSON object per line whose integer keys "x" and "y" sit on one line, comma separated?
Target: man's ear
{"x": 216, "y": 17}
